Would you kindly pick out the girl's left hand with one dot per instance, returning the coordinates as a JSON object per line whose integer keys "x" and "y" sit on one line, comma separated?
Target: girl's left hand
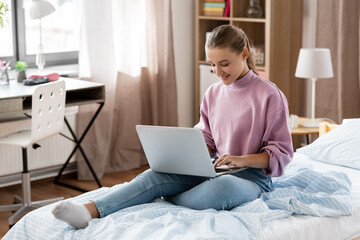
{"x": 232, "y": 161}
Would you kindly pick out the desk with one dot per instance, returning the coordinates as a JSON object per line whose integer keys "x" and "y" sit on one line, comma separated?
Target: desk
{"x": 15, "y": 103}
{"x": 300, "y": 130}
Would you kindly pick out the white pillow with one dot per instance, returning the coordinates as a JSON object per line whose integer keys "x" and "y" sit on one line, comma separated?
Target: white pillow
{"x": 340, "y": 146}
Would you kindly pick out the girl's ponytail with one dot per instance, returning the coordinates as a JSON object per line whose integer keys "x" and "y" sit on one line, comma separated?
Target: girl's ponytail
{"x": 250, "y": 60}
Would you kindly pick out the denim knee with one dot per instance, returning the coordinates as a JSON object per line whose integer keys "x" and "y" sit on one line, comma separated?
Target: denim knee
{"x": 229, "y": 185}
{"x": 221, "y": 193}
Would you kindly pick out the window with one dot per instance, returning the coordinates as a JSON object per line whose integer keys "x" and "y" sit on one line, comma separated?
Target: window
{"x": 20, "y": 36}
{"x": 6, "y": 35}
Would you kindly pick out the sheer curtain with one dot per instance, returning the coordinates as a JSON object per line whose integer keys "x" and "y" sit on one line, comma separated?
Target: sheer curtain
{"x": 338, "y": 24}
{"x": 128, "y": 46}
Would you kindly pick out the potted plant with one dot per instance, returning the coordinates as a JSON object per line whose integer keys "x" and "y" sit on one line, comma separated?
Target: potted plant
{"x": 3, "y": 11}
{"x": 21, "y": 68}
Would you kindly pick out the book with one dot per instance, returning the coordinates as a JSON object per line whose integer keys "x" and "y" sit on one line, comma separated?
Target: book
{"x": 214, "y": 13}
{"x": 214, "y": 4}
{"x": 214, "y": 8}
{"x": 227, "y": 9}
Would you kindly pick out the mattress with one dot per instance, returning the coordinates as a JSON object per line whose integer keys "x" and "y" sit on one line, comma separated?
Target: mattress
{"x": 253, "y": 220}
{"x": 308, "y": 227}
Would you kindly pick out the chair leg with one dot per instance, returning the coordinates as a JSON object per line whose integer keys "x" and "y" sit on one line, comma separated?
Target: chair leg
{"x": 10, "y": 207}
{"x": 18, "y": 214}
{"x": 17, "y": 199}
{"x": 24, "y": 204}
{"x": 25, "y": 180}
{"x": 26, "y": 188}
{"x": 41, "y": 203}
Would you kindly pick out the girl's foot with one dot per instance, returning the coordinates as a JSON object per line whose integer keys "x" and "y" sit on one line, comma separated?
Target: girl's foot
{"x": 75, "y": 214}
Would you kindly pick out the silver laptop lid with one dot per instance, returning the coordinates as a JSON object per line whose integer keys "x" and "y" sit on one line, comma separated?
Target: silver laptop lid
{"x": 176, "y": 150}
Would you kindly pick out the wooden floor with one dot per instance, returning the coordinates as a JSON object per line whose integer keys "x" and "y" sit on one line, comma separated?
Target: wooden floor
{"x": 44, "y": 189}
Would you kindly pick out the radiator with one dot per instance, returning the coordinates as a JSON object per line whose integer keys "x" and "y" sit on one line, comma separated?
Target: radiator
{"x": 52, "y": 154}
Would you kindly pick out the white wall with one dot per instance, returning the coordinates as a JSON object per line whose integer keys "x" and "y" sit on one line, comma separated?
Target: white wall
{"x": 183, "y": 34}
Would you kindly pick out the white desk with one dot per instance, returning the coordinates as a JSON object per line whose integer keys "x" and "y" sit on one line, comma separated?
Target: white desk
{"x": 15, "y": 102}
{"x": 78, "y": 92}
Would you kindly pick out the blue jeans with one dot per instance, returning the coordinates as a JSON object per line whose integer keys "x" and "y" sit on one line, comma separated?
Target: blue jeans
{"x": 221, "y": 193}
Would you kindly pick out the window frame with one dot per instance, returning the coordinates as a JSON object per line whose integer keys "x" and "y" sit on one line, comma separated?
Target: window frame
{"x": 19, "y": 42}
{"x": 13, "y": 58}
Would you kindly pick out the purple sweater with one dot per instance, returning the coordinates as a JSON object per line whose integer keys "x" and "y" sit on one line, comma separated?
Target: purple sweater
{"x": 249, "y": 116}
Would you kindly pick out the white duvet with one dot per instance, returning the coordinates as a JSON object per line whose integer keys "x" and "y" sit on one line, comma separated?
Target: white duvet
{"x": 330, "y": 228}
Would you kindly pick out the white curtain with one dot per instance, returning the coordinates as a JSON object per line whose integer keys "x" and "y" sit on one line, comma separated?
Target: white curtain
{"x": 127, "y": 45}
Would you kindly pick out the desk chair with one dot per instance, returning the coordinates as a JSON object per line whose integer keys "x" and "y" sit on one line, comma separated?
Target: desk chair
{"x": 47, "y": 119}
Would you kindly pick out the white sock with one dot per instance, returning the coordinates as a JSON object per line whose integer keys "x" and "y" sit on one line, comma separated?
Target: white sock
{"x": 74, "y": 214}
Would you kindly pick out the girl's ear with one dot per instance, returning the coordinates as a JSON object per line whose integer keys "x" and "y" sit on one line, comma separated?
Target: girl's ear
{"x": 245, "y": 53}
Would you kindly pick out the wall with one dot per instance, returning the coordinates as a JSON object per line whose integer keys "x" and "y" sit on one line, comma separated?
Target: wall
{"x": 183, "y": 34}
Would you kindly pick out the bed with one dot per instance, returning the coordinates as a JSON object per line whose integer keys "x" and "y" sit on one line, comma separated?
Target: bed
{"x": 317, "y": 198}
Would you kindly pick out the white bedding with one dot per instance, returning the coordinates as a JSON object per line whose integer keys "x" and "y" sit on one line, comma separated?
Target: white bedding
{"x": 161, "y": 220}
{"x": 307, "y": 227}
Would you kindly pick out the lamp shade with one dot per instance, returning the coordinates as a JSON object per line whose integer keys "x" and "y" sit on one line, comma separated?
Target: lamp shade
{"x": 314, "y": 63}
{"x": 40, "y": 9}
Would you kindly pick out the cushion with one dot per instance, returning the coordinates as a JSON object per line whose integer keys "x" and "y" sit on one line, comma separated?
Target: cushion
{"x": 340, "y": 146}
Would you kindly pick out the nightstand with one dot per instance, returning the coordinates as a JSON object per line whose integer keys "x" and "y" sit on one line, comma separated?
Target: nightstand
{"x": 300, "y": 130}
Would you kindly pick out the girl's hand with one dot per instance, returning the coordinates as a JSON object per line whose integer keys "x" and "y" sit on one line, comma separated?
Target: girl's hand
{"x": 258, "y": 160}
{"x": 232, "y": 161}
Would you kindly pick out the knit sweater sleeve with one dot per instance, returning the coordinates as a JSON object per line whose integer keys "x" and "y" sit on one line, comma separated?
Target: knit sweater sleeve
{"x": 277, "y": 143}
{"x": 204, "y": 125}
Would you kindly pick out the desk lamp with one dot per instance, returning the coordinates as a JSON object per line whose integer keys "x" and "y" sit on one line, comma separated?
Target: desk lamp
{"x": 314, "y": 63}
{"x": 38, "y": 10}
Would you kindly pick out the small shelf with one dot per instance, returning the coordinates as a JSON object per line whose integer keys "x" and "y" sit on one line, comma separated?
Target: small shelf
{"x": 261, "y": 68}
{"x": 254, "y": 20}
{"x": 214, "y": 18}
{"x": 238, "y": 19}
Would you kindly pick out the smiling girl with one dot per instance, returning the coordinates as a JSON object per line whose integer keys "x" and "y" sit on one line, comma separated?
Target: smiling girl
{"x": 244, "y": 120}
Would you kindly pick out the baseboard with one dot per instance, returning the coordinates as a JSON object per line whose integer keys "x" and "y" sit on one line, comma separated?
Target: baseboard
{"x": 38, "y": 174}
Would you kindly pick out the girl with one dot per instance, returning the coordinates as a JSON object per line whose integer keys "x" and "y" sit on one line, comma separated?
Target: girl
{"x": 244, "y": 120}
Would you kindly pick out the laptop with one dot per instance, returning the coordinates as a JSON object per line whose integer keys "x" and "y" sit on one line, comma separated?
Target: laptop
{"x": 179, "y": 150}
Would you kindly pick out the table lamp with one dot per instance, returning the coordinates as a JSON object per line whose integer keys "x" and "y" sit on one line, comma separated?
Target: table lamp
{"x": 314, "y": 63}
{"x": 38, "y": 10}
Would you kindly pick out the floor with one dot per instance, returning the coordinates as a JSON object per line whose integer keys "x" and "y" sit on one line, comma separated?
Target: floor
{"x": 44, "y": 189}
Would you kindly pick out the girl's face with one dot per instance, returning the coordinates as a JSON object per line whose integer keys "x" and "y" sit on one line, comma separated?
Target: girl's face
{"x": 227, "y": 65}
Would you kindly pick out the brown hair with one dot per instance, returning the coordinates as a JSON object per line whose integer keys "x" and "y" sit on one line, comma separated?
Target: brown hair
{"x": 234, "y": 38}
